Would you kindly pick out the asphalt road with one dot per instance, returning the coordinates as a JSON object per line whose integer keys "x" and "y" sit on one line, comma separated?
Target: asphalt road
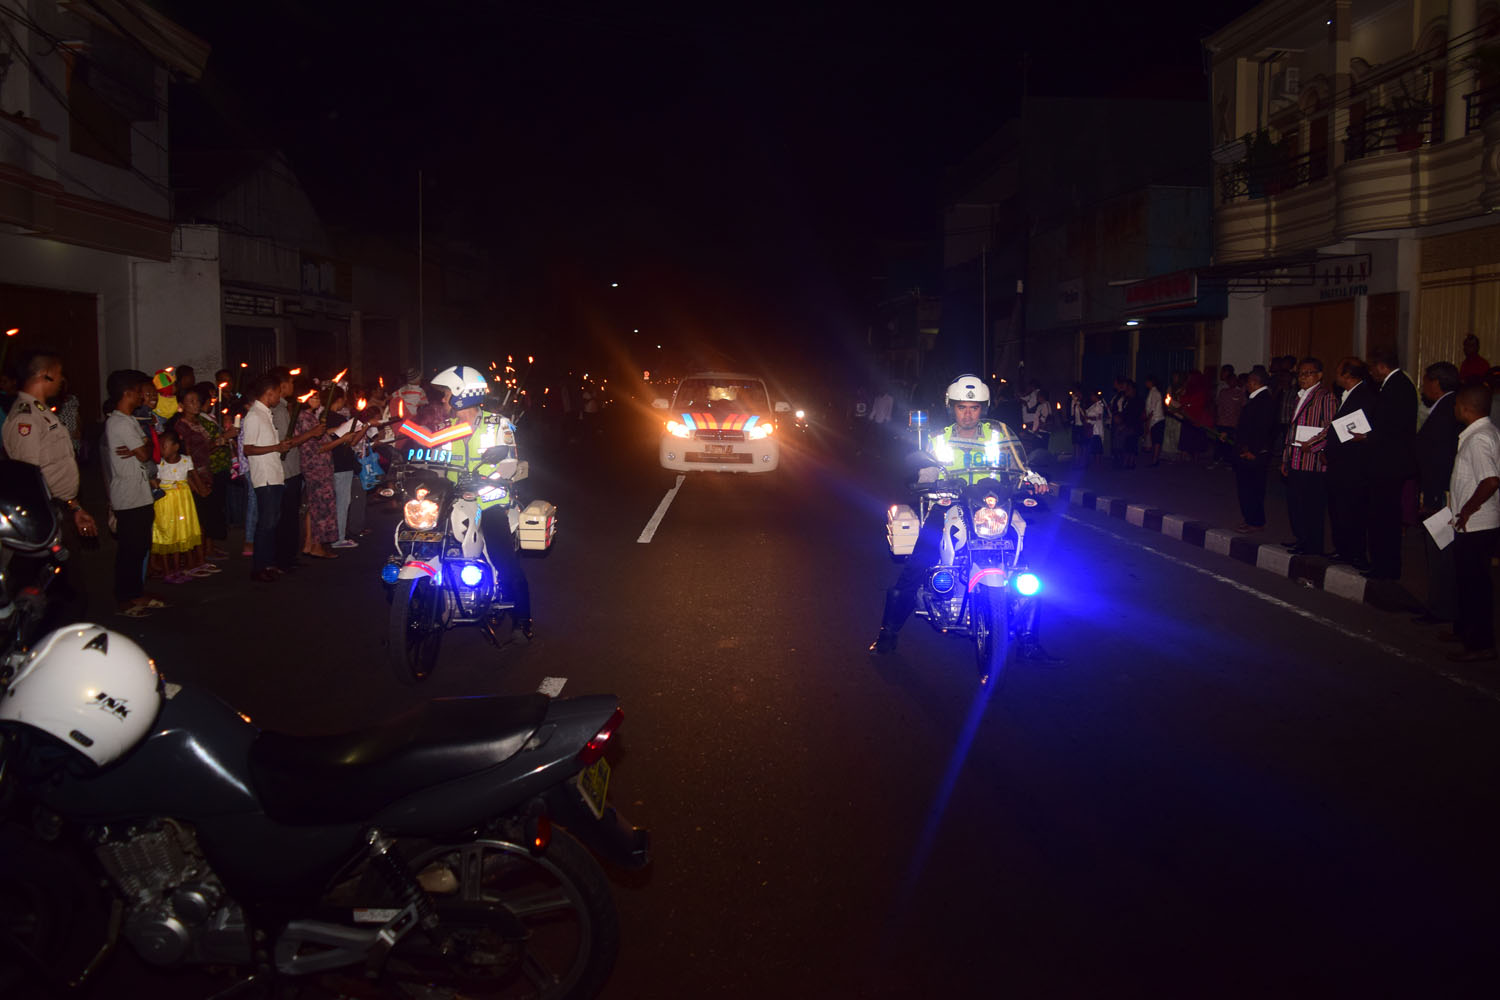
{"x": 1233, "y": 786}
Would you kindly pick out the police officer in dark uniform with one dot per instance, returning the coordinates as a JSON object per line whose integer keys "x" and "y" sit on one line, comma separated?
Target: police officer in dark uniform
{"x": 969, "y": 448}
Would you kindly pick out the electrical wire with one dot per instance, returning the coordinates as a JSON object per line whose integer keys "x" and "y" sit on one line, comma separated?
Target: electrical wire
{"x": 73, "y": 120}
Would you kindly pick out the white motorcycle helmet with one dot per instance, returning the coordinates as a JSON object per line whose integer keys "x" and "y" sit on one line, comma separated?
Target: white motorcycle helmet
{"x": 968, "y": 389}
{"x": 94, "y": 690}
{"x": 466, "y": 386}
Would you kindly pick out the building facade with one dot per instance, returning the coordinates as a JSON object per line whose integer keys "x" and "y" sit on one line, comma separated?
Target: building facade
{"x": 84, "y": 189}
{"x": 1357, "y": 161}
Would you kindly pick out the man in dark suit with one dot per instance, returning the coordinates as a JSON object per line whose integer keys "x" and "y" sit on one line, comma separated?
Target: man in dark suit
{"x": 1349, "y": 464}
{"x": 1437, "y": 443}
{"x": 1393, "y": 423}
{"x": 1254, "y": 436}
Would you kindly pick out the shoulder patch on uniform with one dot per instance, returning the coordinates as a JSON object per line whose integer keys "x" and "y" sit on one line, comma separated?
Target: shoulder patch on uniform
{"x": 23, "y": 430}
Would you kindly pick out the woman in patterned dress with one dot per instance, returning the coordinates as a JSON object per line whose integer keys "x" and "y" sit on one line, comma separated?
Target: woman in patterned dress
{"x": 319, "y": 526}
{"x": 207, "y": 444}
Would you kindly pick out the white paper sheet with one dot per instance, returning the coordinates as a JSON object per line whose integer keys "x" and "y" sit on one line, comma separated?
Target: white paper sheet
{"x": 1351, "y": 424}
{"x": 1305, "y": 433}
{"x": 1440, "y": 527}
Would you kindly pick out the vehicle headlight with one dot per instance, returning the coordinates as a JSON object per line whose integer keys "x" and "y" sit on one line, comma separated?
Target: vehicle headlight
{"x": 421, "y": 514}
{"x": 990, "y": 522}
{"x": 759, "y": 431}
{"x": 801, "y": 414}
{"x": 678, "y": 430}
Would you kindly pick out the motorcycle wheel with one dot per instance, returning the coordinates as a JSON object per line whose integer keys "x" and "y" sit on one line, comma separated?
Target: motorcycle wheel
{"x": 993, "y": 649}
{"x": 416, "y": 629}
{"x": 514, "y": 925}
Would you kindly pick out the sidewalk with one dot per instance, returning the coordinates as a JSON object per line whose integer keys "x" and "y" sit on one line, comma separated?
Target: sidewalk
{"x": 1198, "y": 505}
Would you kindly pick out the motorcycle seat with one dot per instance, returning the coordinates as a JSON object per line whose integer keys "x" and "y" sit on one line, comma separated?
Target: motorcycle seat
{"x": 343, "y": 777}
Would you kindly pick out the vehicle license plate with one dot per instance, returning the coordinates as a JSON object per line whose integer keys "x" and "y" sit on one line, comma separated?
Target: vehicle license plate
{"x": 720, "y": 449}
{"x": 593, "y": 782}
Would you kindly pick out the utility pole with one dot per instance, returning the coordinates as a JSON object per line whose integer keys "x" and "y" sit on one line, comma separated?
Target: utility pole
{"x": 421, "y": 315}
{"x": 984, "y": 309}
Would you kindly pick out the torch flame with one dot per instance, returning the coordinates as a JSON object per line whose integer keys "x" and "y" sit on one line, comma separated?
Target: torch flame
{"x": 309, "y": 394}
{"x": 296, "y": 371}
{"x": 381, "y": 380}
{"x": 360, "y": 403}
{"x": 13, "y": 331}
{"x": 530, "y": 360}
{"x": 340, "y": 375}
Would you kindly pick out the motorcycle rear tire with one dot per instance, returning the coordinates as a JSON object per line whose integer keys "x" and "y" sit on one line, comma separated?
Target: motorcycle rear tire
{"x": 581, "y": 887}
{"x": 993, "y": 649}
{"x": 416, "y": 629}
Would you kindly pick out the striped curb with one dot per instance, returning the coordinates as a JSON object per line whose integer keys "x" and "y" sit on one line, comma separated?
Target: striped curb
{"x": 1342, "y": 581}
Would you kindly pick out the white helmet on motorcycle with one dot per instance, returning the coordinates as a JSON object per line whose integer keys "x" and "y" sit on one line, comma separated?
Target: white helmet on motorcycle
{"x": 94, "y": 690}
{"x": 466, "y": 386}
{"x": 968, "y": 389}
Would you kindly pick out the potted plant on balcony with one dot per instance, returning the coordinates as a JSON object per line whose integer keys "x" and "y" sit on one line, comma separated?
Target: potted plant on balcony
{"x": 1262, "y": 164}
{"x": 1409, "y": 113}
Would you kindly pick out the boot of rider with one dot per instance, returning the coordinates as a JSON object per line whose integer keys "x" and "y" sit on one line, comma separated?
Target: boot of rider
{"x": 897, "y": 609}
{"x": 1028, "y": 632}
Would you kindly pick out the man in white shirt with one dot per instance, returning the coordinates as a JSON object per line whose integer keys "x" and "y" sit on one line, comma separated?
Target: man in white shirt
{"x": 264, "y": 448}
{"x": 1156, "y": 417}
{"x": 1472, "y": 497}
{"x": 125, "y": 454}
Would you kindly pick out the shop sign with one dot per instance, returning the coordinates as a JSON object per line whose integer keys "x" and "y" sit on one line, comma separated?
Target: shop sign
{"x": 1343, "y": 278}
{"x": 1166, "y": 291}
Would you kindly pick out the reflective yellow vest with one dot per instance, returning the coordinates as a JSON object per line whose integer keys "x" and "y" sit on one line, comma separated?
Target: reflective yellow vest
{"x": 468, "y": 444}
{"x": 973, "y": 459}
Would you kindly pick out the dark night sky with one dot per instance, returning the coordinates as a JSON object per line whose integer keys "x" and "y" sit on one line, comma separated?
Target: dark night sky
{"x": 732, "y": 165}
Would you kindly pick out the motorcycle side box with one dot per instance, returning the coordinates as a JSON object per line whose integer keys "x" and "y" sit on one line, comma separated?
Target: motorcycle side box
{"x": 901, "y": 527}
{"x": 538, "y": 525}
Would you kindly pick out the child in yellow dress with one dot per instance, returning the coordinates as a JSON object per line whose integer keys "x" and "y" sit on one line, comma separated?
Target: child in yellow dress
{"x": 176, "y": 539}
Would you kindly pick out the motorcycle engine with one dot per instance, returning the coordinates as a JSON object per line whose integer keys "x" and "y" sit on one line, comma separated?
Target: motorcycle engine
{"x": 176, "y": 908}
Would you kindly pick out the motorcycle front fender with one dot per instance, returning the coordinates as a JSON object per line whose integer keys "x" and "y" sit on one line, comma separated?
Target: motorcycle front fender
{"x": 415, "y": 568}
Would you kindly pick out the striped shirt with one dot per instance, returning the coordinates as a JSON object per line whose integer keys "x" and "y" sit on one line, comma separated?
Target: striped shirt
{"x": 1316, "y": 410}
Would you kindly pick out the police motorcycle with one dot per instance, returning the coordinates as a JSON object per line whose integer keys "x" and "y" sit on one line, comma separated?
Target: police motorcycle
{"x": 439, "y": 854}
{"x": 980, "y": 586}
{"x": 442, "y": 574}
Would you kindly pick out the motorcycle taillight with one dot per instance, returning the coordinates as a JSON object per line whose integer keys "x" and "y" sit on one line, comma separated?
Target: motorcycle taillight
{"x": 594, "y": 748}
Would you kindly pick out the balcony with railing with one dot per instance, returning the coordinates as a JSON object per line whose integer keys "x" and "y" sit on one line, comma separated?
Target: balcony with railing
{"x": 1478, "y": 106}
{"x": 1390, "y": 130}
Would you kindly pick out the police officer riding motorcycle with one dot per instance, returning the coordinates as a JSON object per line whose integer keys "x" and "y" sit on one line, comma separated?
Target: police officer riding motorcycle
{"x": 455, "y": 475}
{"x": 964, "y": 459}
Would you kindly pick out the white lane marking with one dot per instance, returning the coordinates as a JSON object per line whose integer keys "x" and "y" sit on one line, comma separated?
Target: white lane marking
{"x": 1384, "y": 647}
{"x": 551, "y": 686}
{"x": 649, "y": 532}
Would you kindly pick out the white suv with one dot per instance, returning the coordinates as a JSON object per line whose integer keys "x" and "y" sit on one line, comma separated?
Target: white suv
{"x": 720, "y": 422}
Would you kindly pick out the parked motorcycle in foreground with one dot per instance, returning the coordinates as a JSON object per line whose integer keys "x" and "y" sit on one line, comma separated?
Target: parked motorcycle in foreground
{"x": 433, "y": 855}
{"x": 980, "y": 584}
{"x": 440, "y": 573}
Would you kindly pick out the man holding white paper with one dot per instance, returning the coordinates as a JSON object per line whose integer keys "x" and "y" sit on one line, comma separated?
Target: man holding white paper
{"x": 1350, "y": 458}
{"x": 1302, "y": 460}
{"x": 1472, "y": 496}
{"x": 1437, "y": 444}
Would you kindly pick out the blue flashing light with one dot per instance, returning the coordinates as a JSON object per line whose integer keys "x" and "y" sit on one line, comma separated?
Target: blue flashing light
{"x": 1028, "y": 584}
{"x": 942, "y": 581}
{"x": 389, "y": 572}
{"x": 471, "y": 575}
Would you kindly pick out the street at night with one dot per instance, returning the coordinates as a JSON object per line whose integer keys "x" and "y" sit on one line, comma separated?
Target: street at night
{"x": 1234, "y": 785}
{"x": 552, "y": 500}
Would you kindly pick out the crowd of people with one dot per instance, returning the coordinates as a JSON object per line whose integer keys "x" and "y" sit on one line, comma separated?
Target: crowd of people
{"x": 283, "y": 456}
{"x": 1357, "y": 453}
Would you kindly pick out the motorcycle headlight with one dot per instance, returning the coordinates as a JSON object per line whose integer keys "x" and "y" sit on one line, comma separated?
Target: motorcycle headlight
{"x": 759, "y": 431}
{"x": 421, "y": 514}
{"x": 678, "y": 430}
{"x": 990, "y": 522}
